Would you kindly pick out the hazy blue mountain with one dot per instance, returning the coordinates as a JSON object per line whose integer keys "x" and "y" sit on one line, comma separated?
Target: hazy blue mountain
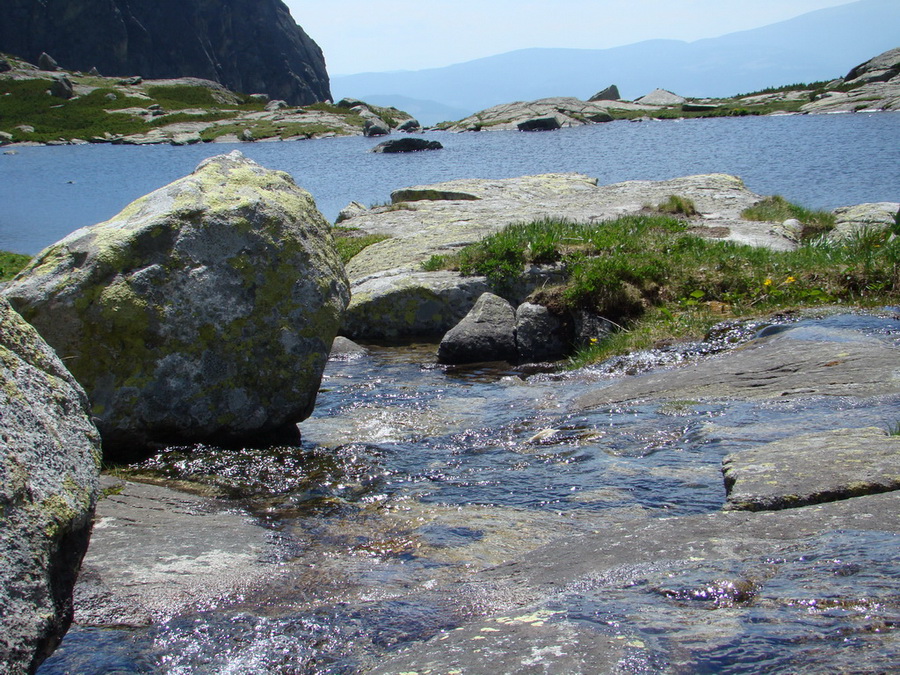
{"x": 820, "y": 45}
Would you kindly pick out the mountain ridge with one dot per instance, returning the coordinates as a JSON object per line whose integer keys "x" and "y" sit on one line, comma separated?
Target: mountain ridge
{"x": 814, "y": 46}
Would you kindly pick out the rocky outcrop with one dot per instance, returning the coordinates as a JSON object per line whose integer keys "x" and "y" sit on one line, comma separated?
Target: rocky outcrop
{"x": 49, "y": 461}
{"x": 871, "y": 86}
{"x": 556, "y": 112}
{"x": 660, "y": 97}
{"x": 853, "y": 219}
{"x": 392, "y": 296}
{"x": 611, "y": 93}
{"x": 203, "y": 311}
{"x": 247, "y": 45}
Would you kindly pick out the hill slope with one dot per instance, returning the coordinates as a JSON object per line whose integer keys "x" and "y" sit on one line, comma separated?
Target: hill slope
{"x": 814, "y": 46}
{"x": 246, "y": 45}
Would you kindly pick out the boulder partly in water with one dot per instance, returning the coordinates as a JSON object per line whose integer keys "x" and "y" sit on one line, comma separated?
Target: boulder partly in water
{"x": 204, "y": 311}
{"x": 49, "y": 464}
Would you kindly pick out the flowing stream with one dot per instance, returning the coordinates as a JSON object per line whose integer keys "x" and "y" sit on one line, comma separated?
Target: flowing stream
{"x": 415, "y": 476}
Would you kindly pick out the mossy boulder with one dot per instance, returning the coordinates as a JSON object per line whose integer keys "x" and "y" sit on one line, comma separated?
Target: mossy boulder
{"x": 203, "y": 312}
{"x": 49, "y": 465}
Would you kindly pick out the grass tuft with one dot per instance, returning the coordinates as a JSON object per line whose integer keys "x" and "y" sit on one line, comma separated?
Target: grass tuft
{"x": 778, "y": 209}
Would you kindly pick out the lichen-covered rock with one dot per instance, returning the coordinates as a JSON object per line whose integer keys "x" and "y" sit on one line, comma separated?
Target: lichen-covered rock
{"x": 412, "y": 304}
{"x": 850, "y": 220}
{"x": 49, "y": 463}
{"x": 203, "y": 311}
{"x": 487, "y": 333}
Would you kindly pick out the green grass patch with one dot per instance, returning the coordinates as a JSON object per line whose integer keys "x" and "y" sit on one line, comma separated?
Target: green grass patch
{"x": 778, "y": 209}
{"x": 649, "y": 274}
{"x": 676, "y": 204}
{"x": 349, "y": 241}
{"x": 11, "y": 264}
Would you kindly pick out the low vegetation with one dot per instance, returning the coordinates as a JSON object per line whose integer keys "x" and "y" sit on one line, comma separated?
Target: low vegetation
{"x": 11, "y": 263}
{"x": 651, "y": 275}
{"x": 349, "y": 241}
{"x": 108, "y": 108}
{"x": 778, "y": 209}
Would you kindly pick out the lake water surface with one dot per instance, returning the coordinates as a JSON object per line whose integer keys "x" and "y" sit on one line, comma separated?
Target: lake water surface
{"x": 821, "y": 162}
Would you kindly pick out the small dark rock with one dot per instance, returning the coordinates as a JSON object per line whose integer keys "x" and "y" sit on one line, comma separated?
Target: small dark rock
{"x": 407, "y": 145}
{"x": 611, "y": 93}
{"x": 410, "y": 126}
{"x": 548, "y": 123}
{"x": 277, "y": 104}
{"x": 376, "y": 127}
{"x": 47, "y": 62}
{"x": 486, "y": 333}
{"x": 351, "y": 103}
{"x": 62, "y": 88}
{"x": 93, "y": 72}
{"x": 4, "y": 65}
{"x": 131, "y": 81}
{"x": 538, "y": 333}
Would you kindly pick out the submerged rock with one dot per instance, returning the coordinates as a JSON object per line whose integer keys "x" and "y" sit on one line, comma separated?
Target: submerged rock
{"x": 812, "y": 468}
{"x": 49, "y": 461}
{"x": 203, "y": 311}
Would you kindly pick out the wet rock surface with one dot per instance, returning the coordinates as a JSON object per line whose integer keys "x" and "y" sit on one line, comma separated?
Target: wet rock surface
{"x": 813, "y": 468}
{"x": 157, "y": 552}
{"x": 791, "y": 363}
{"x": 692, "y": 587}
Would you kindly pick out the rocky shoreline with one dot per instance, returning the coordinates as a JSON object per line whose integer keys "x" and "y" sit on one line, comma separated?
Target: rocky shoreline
{"x": 873, "y": 86}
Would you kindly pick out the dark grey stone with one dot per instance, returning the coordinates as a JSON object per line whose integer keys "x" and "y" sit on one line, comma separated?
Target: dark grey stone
{"x": 62, "y": 88}
{"x": 611, "y": 93}
{"x": 538, "y": 333}
{"x": 487, "y": 333}
{"x": 414, "y": 144}
{"x": 548, "y": 123}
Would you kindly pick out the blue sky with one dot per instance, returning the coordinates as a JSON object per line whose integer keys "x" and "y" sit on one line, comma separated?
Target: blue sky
{"x": 363, "y": 36}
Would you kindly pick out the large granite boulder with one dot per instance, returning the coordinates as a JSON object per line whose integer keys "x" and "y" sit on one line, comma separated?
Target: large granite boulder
{"x": 204, "y": 311}
{"x": 611, "y": 93}
{"x": 487, "y": 333}
{"x": 49, "y": 463}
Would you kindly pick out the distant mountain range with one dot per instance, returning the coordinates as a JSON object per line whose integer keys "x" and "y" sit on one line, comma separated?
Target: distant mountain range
{"x": 820, "y": 45}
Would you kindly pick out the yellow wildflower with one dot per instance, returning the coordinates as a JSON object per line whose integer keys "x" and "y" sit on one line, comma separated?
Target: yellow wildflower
{"x": 790, "y": 280}
{"x": 767, "y": 282}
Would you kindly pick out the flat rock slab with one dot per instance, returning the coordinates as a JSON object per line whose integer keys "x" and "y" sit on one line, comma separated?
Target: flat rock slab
{"x": 676, "y": 595}
{"x": 813, "y": 468}
{"x": 783, "y": 365}
{"x": 157, "y": 552}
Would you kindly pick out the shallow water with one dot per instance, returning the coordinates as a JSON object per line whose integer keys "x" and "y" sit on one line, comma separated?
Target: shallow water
{"x": 414, "y": 476}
